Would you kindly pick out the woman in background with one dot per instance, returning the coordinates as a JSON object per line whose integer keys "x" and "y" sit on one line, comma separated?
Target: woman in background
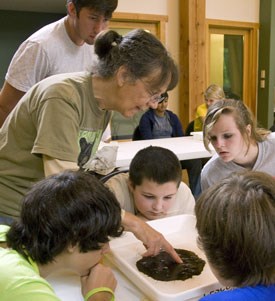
{"x": 230, "y": 127}
{"x": 211, "y": 95}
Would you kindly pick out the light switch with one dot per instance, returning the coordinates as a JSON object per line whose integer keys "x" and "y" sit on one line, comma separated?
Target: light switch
{"x": 262, "y": 83}
{"x": 262, "y": 73}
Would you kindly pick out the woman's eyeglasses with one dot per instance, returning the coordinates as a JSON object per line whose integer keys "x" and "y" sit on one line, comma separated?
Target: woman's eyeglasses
{"x": 163, "y": 97}
{"x": 155, "y": 98}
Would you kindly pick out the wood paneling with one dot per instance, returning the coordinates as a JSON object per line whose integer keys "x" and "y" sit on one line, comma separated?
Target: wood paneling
{"x": 156, "y": 24}
{"x": 192, "y": 58}
{"x": 250, "y": 33}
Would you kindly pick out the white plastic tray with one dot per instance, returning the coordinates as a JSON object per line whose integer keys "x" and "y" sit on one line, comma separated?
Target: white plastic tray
{"x": 180, "y": 231}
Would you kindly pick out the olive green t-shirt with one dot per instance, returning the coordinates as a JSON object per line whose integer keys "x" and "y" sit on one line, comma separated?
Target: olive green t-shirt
{"x": 58, "y": 117}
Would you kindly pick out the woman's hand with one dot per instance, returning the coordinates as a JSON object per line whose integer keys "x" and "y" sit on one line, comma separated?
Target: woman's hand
{"x": 152, "y": 239}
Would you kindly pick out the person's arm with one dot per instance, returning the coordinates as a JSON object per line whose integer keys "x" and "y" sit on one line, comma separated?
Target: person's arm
{"x": 152, "y": 239}
{"x": 145, "y": 126}
{"x": 54, "y": 166}
{"x": 9, "y": 97}
{"x": 100, "y": 277}
{"x": 28, "y": 66}
{"x": 176, "y": 125}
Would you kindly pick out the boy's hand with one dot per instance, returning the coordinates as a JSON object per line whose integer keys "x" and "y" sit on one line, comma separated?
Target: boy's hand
{"x": 100, "y": 276}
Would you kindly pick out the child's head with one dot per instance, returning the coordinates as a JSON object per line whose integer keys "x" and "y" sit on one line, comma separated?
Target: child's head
{"x": 212, "y": 94}
{"x": 67, "y": 209}
{"x": 154, "y": 177}
{"x": 231, "y": 113}
{"x": 236, "y": 226}
{"x": 163, "y": 104}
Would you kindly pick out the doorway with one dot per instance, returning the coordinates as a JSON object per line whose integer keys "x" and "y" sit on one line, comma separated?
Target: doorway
{"x": 232, "y": 59}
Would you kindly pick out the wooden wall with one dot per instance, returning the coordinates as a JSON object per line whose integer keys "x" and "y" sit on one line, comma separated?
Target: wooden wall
{"x": 192, "y": 58}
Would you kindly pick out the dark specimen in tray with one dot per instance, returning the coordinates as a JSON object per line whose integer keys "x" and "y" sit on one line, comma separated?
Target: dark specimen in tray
{"x": 163, "y": 267}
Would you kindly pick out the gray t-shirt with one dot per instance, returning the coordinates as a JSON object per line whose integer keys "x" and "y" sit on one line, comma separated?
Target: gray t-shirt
{"x": 162, "y": 127}
{"x": 216, "y": 169}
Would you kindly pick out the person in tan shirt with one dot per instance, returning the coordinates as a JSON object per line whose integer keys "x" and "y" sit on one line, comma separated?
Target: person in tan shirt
{"x": 59, "y": 122}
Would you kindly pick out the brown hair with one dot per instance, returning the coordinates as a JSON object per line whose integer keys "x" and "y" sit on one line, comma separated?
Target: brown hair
{"x": 236, "y": 226}
{"x": 242, "y": 116}
{"x": 104, "y": 7}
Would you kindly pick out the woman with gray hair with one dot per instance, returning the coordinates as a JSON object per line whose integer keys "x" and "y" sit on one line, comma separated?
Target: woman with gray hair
{"x": 58, "y": 123}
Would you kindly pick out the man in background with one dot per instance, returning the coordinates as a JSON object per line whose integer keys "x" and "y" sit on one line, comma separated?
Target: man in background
{"x": 60, "y": 47}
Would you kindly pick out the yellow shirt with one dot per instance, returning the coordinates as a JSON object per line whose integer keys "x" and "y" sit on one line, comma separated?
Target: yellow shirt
{"x": 200, "y": 113}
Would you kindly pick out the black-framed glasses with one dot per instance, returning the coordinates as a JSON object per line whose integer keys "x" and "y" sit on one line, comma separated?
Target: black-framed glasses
{"x": 154, "y": 97}
{"x": 163, "y": 97}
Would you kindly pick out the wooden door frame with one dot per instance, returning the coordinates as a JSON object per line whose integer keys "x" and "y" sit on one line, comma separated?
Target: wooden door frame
{"x": 250, "y": 31}
{"x": 192, "y": 58}
{"x": 193, "y": 54}
{"x": 157, "y": 23}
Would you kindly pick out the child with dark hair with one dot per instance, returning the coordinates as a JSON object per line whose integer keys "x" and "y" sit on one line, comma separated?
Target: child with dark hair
{"x": 236, "y": 227}
{"x": 66, "y": 222}
{"x": 153, "y": 188}
{"x": 157, "y": 123}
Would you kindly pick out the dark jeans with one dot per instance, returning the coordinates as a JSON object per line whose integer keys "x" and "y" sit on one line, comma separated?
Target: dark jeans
{"x": 193, "y": 168}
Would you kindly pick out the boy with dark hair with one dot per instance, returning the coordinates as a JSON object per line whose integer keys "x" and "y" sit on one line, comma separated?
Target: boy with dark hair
{"x": 66, "y": 221}
{"x": 160, "y": 122}
{"x": 153, "y": 188}
{"x": 236, "y": 227}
